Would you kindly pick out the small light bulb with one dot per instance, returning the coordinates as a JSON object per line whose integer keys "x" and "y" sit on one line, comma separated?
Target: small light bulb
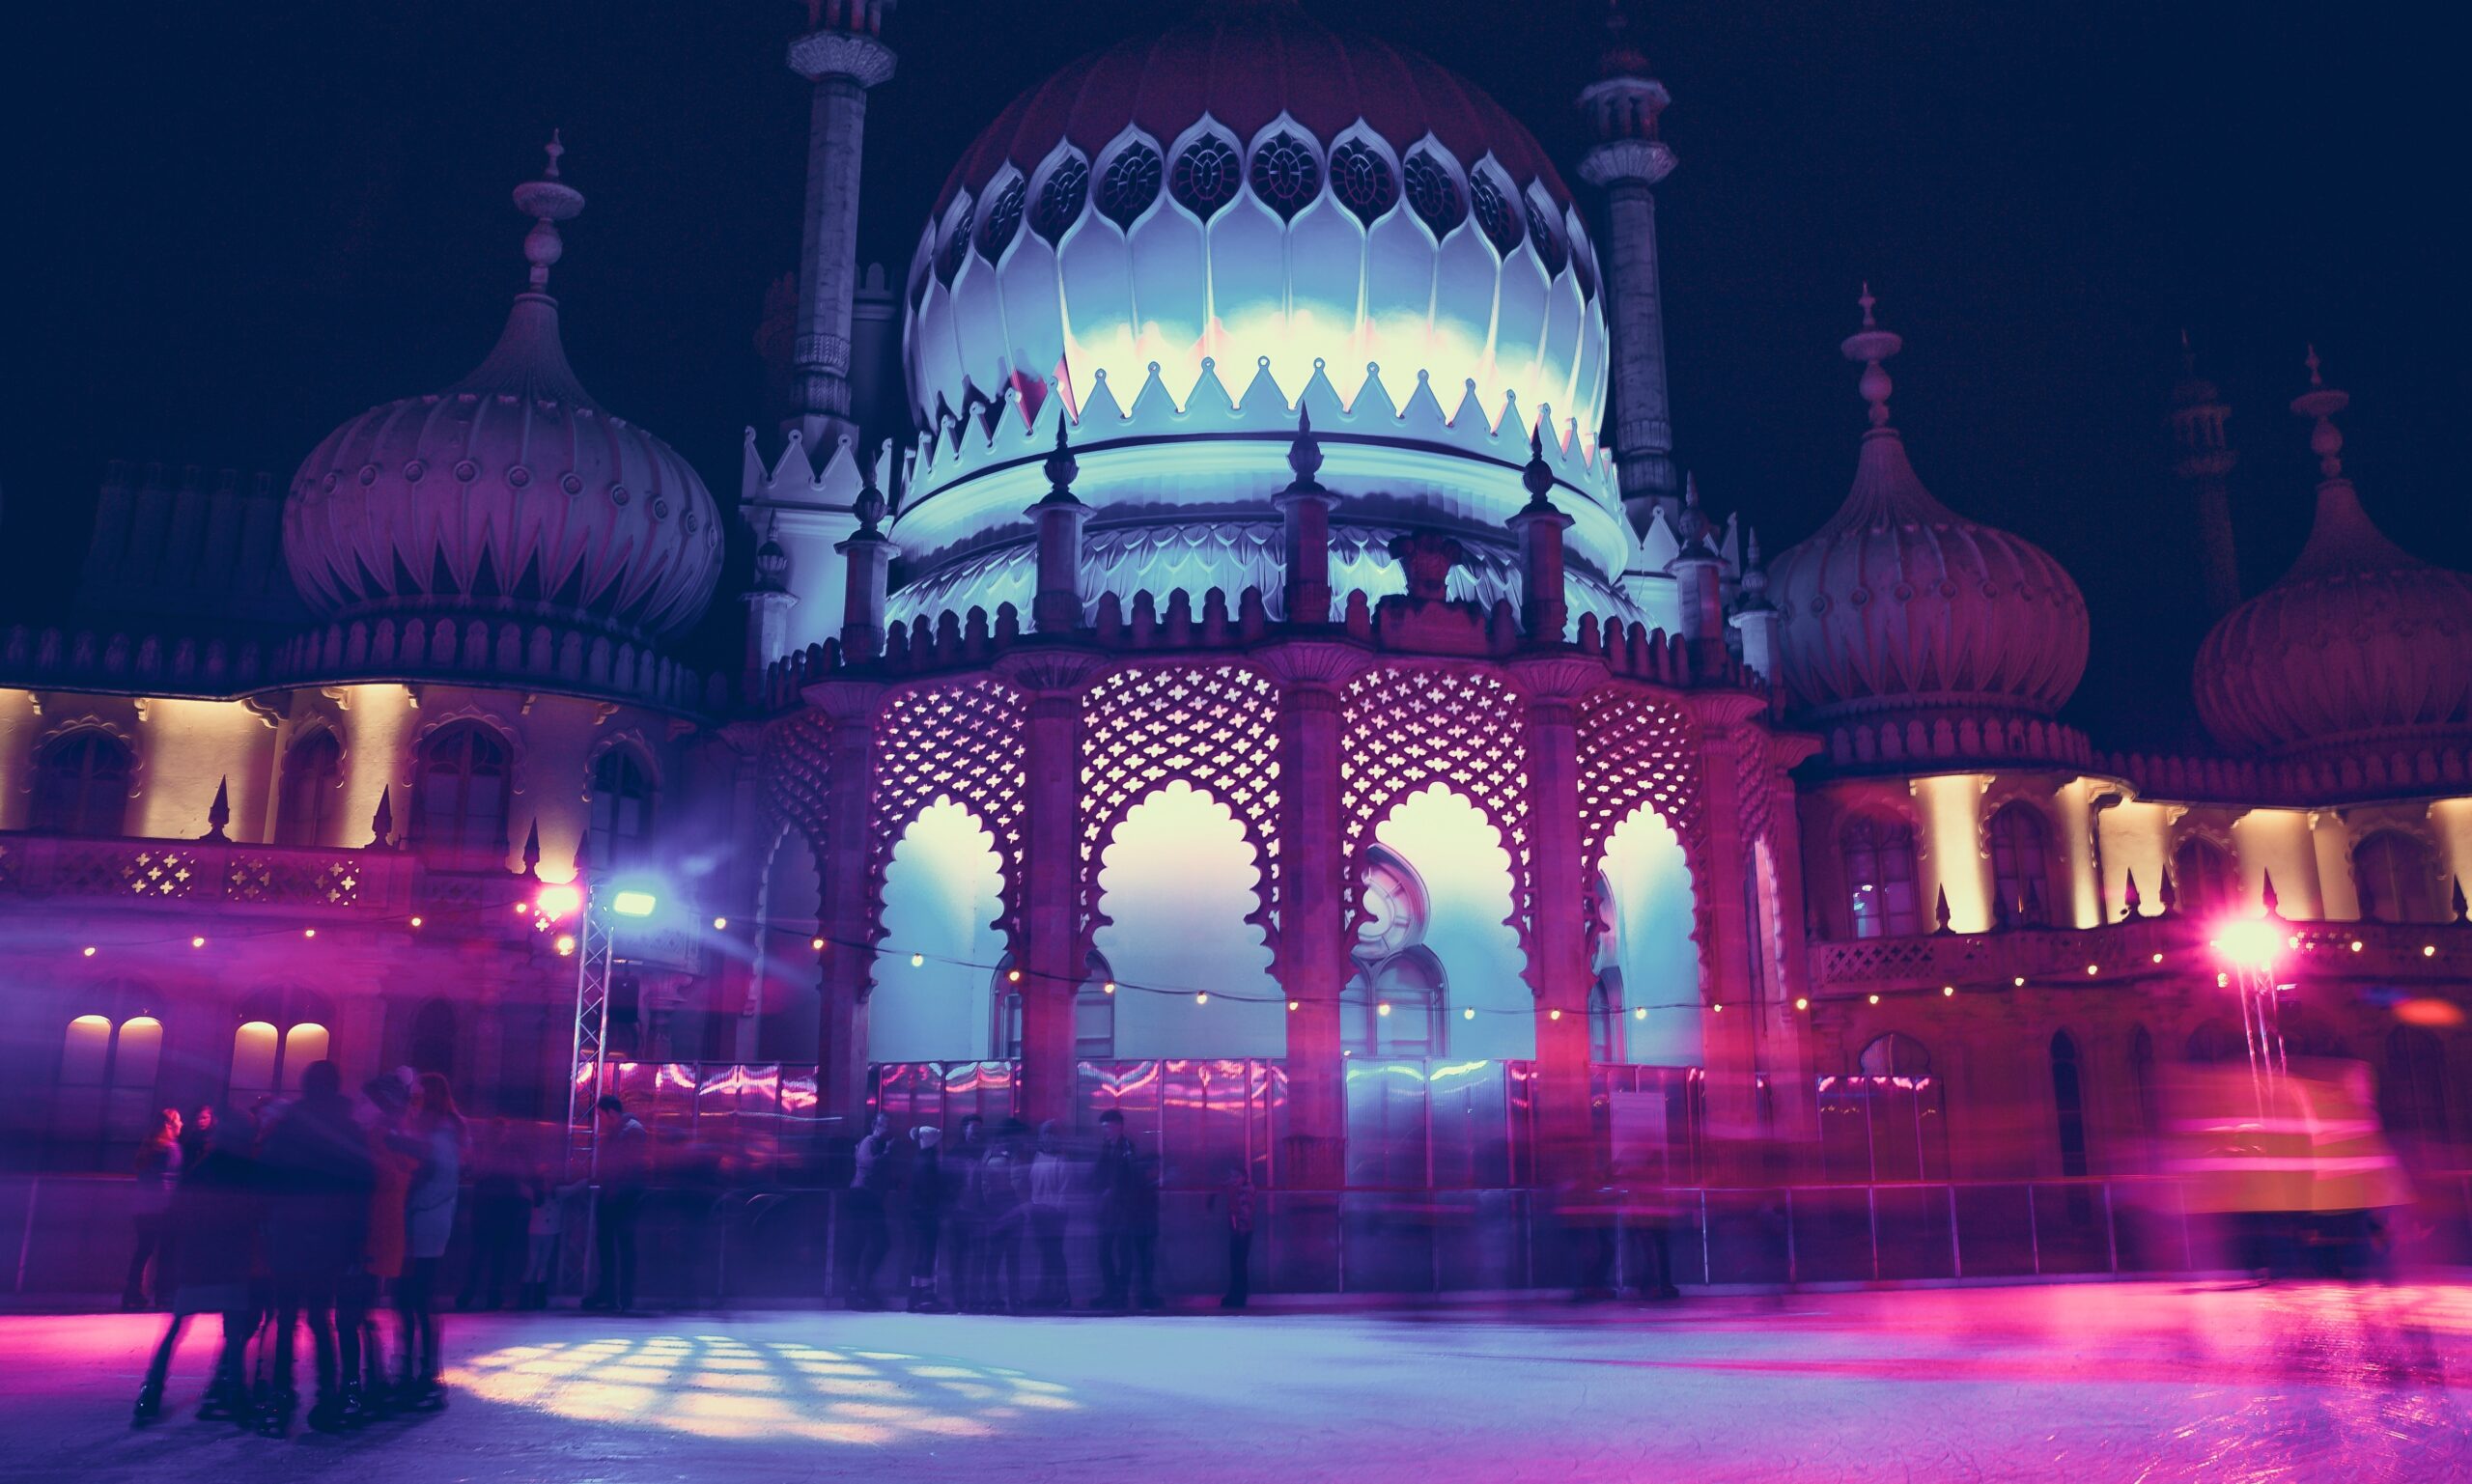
{"x": 2158, "y": 958}
{"x": 1468, "y": 1013}
{"x": 919, "y": 960}
{"x": 1553, "y": 1015}
{"x": 2428, "y": 950}
{"x": 197, "y": 942}
{"x": 416, "y": 922}
{"x": 1719, "y": 1009}
{"x": 1802, "y": 1004}
{"x": 1109, "y": 988}
{"x": 1948, "y": 991}
{"x": 720, "y": 924}
{"x": 308, "y": 932}
{"x": 1294, "y": 1005}
{"x": 816, "y": 944}
{"x": 566, "y": 944}
{"x": 2355, "y": 945}
{"x": 521, "y": 908}
{"x": 1875, "y": 999}
{"x": 2019, "y": 981}
{"x": 90, "y": 953}
{"x": 1639, "y": 1014}
{"x": 1201, "y": 996}
{"x": 2090, "y": 968}
{"x": 1012, "y": 976}
{"x": 1383, "y": 1008}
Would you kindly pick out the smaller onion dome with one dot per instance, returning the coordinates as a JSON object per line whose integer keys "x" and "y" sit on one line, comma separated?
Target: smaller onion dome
{"x": 2360, "y": 641}
{"x": 511, "y": 492}
{"x": 1898, "y": 604}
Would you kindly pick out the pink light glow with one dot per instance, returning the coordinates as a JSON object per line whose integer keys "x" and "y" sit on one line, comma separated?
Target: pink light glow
{"x": 558, "y": 900}
{"x": 2249, "y": 942}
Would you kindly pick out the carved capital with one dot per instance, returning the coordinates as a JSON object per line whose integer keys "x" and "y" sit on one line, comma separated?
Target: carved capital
{"x": 1050, "y": 669}
{"x": 845, "y": 701}
{"x": 1645, "y": 160}
{"x": 821, "y": 54}
{"x": 1305, "y": 666}
{"x": 1558, "y": 680}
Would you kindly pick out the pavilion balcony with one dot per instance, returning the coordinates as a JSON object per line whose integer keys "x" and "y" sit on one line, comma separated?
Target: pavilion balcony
{"x": 222, "y": 877}
{"x": 2172, "y": 945}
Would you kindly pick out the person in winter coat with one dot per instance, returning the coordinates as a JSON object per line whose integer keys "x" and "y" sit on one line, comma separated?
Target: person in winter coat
{"x": 215, "y": 1216}
{"x": 159, "y": 1169}
{"x": 929, "y": 1195}
{"x": 965, "y": 1221}
{"x": 319, "y": 1176}
{"x": 1051, "y": 1190}
{"x": 1237, "y": 1199}
{"x": 869, "y": 1232}
{"x": 1003, "y": 1180}
{"x": 435, "y": 1136}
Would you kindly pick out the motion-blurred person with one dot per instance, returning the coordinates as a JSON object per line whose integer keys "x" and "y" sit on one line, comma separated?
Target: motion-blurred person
{"x": 215, "y": 1213}
{"x": 1237, "y": 1200}
{"x": 1003, "y": 1182}
{"x": 500, "y": 1212}
{"x": 929, "y": 1194}
{"x": 624, "y": 1169}
{"x": 544, "y": 1231}
{"x": 319, "y": 1176}
{"x": 158, "y": 1168}
{"x": 1140, "y": 1198}
{"x": 434, "y": 1135}
{"x": 965, "y": 1218}
{"x": 369, "y": 1390}
{"x": 1110, "y": 1179}
{"x": 867, "y": 1229}
{"x": 197, "y": 1133}
{"x": 1050, "y": 1191}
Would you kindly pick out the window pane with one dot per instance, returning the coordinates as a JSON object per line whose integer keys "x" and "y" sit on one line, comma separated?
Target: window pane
{"x": 84, "y": 1052}
{"x": 141, "y": 1048}
{"x": 302, "y": 1045}
{"x": 253, "y": 1047}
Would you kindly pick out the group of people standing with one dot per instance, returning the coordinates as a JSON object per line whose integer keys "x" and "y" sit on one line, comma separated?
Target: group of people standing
{"x": 312, "y": 1213}
{"x": 986, "y": 1219}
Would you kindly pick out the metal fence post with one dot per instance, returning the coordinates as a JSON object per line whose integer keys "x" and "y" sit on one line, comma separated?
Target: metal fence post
{"x": 2111, "y": 1228}
{"x": 2033, "y": 1230}
{"x": 1957, "y": 1243}
{"x": 1790, "y": 1267}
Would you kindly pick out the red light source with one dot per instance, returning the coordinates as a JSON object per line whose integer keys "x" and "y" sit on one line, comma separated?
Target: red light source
{"x": 2249, "y": 942}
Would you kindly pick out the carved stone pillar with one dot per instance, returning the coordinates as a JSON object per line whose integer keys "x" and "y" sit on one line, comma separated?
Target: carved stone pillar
{"x": 1314, "y": 906}
{"x": 846, "y": 911}
{"x": 842, "y": 59}
{"x": 1557, "y": 968}
{"x": 1731, "y": 1022}
{"x": 1051, "y": 954}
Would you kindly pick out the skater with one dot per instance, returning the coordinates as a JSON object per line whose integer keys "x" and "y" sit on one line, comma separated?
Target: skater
{"x": 1112, "y": 1181}
{"x": 1050, "y": 1186}
{"x": 1237, "y": 1199}
{"x": 159, "y": 1168}
{"x": 929, "y": 1194}
{"x": 214, "y": 1217}
{"x": 867, "y": 1231}
{"x": 435, "y": 1136}
{"x": 965, "y": 1220}
{"x": 625, "y": 1159}
{"x": 319, "y": 1177}
{"x": 1002, "y": 1183}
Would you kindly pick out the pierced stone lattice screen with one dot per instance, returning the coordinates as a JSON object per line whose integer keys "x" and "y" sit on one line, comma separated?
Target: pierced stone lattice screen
{"x": 796, "y": 773}
{"x": 1634, "y": 752}
{"x": 1405, "y": 728}
{"x": 312, "y": 881}
{"x": 962, "y": 743}
{"x": 1216, "y": 728}
{"x": 153, "y": 872}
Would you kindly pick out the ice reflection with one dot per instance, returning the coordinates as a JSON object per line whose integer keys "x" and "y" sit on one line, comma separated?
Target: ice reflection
{"x": 716, "y": 1386}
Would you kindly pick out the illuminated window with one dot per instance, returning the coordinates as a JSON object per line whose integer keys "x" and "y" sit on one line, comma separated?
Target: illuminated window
{"x": 2203, "y": 877}
{"x": 1004, "y": 219}
{"x": 1495, "y": 216}
{"x": 81, "y": 784}
{"x": 1361, "y": 178}
{"x": 2020, "y": 866}
{"x": 2397, "y": 878}
{"x": 1130, "y": 183}
{"x": 1433, "y": 194}
{"x": 622, "y": 809}
{"x": 1207, "y": 175}
{"x": 279, "y": 1035}
{"x": 460, "y": 797}
{"x": 103, "y": 1102}
{"x": 313, "y": 773}
{"x": 1878, "y": 857}
{"x": 1286, "y": 175}
{"x": 1060, "y": 197}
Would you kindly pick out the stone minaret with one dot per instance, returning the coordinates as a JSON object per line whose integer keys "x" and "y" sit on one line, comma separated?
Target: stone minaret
{"x": 2204, "y": 457}
{"x": 842, "y": 56}
{"x": 1628, "y": 162}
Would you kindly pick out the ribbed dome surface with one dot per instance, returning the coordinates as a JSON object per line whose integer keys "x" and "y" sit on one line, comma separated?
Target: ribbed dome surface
{"x": 1900, "y": 603}
{"x": 511, "y": 489}
{"x": 2360, "y": 640}
{"x": 1253, "y": 187}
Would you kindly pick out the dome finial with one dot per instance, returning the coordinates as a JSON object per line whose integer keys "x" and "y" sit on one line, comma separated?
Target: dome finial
{"x": 1868, "y": 347}
{"x": 1305, "y": 451}
{"x": 1537, "y": 478}
{"x": 2320, "y": 405}
{"x": 547, "y": 201}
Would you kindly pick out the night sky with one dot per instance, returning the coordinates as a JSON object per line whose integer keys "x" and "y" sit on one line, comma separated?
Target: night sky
{"x": 235, "y": 225}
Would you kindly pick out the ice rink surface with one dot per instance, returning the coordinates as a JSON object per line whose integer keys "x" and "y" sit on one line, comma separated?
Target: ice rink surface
{"x": 2086, "y": 1382}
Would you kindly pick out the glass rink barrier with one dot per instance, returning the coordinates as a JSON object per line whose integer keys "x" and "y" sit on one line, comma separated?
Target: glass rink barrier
{"x": 749, "y": 1196}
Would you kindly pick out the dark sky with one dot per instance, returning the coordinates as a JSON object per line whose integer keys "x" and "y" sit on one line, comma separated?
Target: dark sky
{"x": 234, "y": 225}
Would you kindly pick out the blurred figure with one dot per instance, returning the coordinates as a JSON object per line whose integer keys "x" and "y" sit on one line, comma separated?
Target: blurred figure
{"x": 319, "y": 1177}
{"x": 1110, "y": 1178}
{"x": 1003, "y": 1183}
{"x": 197, "y": 1133}
{"x": 368, "y": 1391}
{"x": 1051, "y": 1187}
{"x": 215, "y": 1213}
{"x": 500, "y": 1212}
{"x": 966, "y": 1220}
{"x": 158, "y": 1168}
{"x": 544, "y": 1230}
{"x": 867, "y": 1229}
{"x": 435, "y": 1136}
{"x": 1237, "y": 1198}
{"x": 625, "y": 1167}
{"x": 928, "y": 1198}
{"x": 1140, "y": 1207}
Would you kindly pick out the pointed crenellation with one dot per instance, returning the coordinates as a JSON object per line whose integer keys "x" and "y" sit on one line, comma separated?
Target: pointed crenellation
{"x": 532, "y": 849}
{"x": 1057, "y": 606}
{"x": 381, "y": 822}
{"x": 218, "y": 814}
{"x": 1754, "y": 618}
{"x": 867, "y": 556}
{"x": 1304, "y": 529}
{"x": 1545, "y": 607}
{"x": 2130, "y": 901}
{"x": 1699, "y": 574}
{"x": 2203, "y": 460}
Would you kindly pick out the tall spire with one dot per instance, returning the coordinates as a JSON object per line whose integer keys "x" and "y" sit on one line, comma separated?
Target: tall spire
{"x": 530, "y": 358}
{"x": 2203, "y": 462}
{"x": 1622, "y": 107}
{"x": 547, "y": 201}
{"x": 2342, "y": 539}
{"x": 842, "y": 56}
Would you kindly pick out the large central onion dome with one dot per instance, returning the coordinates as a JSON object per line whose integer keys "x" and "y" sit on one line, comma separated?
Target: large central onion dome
{"x": 1900, "y": 607}
{"x": 1183, "y": 238}
{"x": 511, "y": 492}
{"x": 2360, "y": 642}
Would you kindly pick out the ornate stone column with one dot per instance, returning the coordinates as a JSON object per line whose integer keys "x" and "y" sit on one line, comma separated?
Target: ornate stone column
{"x": 846, "y": 911}
{"x": 1557, "y": 964}
{"x": 842, "y": 58}
{"x": 1731, "y": 746}
{"x": 1049, "y": 954}
{"x": 1313, "y": 900}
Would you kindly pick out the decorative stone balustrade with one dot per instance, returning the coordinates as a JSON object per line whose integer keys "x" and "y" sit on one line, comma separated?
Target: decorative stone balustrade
{"x": 2140, "y": 949}
{"x": 211, "y": 875}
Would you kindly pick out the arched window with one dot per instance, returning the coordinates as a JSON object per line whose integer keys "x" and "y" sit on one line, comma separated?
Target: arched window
{"x": 433, "y": 1048}
{"x": 2069, "y": 1103}
{"x": 1878, "y": 856}
{"x": 1094, "y": 1012}
{"x": 279, "y": 1035}
{"x": 103, "y": 1102}
{"x": 1885, "y": 1120}
{"x": 81, "y": 784}
{"x": 2020, "y": 866}
{"x": 1393, "y": 1006}
{"x": 2204, "y": 877}
{"x": 2397, "y": 878}
{"x": 1896, "y": 1054}
{"x": 2141, "y": 1074}
{"x": 622, "y": 809}
{"x": 460, "y": 797}
{"x": 2412, "y": 1095}
{"x": 313, "y": 772}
